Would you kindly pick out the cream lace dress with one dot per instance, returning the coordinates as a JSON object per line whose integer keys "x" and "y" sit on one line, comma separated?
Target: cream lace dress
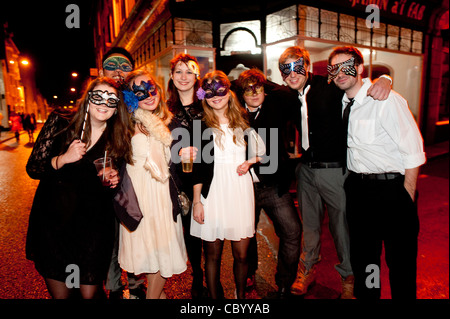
{"x": 157, "y": 244}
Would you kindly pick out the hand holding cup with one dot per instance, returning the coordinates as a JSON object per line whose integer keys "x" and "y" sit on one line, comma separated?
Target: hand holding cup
{"x": 188, "y": 156}
{"x": 105, "y": 171}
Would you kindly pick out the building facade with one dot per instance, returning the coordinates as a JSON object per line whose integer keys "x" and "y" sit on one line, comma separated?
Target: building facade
{"x": 18, "y": 90}
{"x": 403, "y": 38}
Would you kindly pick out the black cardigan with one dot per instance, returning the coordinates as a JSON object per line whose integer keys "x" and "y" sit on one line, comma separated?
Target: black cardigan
{"x": 203, "y": 170}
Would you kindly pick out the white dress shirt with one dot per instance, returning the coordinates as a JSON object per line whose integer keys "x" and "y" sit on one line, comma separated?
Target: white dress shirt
{"x": 382, "y": 135}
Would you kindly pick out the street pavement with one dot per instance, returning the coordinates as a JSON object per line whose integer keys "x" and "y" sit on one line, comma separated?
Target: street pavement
{"x": 19, "y": 279}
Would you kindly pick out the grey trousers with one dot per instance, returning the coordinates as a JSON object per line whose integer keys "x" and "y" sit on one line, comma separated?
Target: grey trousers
{"x": 316, "y": 187}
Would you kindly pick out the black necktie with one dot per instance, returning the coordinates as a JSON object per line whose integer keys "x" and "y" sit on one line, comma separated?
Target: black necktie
{"x": 345, "y": 118}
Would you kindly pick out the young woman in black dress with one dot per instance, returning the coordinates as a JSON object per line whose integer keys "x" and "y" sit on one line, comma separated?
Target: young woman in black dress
{"x": 186, "y": 107}
{"x": 71, "y": 228}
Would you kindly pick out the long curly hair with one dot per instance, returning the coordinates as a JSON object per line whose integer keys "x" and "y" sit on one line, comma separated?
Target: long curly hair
{"x": 118, "y": 127}
{"x": 235, "y": 113}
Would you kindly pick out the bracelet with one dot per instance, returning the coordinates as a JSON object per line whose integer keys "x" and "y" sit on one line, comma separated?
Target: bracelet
{"x": 197, "y": 203}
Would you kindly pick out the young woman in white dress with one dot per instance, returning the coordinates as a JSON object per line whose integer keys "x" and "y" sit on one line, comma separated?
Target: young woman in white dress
{"x": 223, "y": 205}
{"x": 156, "y": 247}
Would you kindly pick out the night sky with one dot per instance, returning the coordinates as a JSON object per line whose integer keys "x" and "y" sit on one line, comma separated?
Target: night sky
{"x": 41, "y": 35}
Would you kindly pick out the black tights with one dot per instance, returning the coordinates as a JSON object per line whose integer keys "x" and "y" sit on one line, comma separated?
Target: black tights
{"x": 59, "y": 290}
{"x": 213, "y": 256}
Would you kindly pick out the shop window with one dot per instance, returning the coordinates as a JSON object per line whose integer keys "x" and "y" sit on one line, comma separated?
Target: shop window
{"x": 379, "y": 36}
{"x": 347, "y": 28}
{"x": 405, "y": 39}
{"x": 309, "y": 21}
{"x": 417, "y": 42}
{"x": 281, "y": 24}
{"x": 193, "y": 32}
{"x": 393, "y": 37}
{"x": 362, "y": 33}
{"x": 329, "y": 25}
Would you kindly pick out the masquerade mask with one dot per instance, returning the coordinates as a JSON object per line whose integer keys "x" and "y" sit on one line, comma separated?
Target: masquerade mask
{"x": 296, "y": 66}
{"x": 144, "y": 90}
{"x": 117, "y": 63}
{"x": 252, "y": 89}
{"x": 348, "y": 67}
{"x": 214, "y": 89}
{"x": 194, "y": 67}
{"x": 103, "y": 97}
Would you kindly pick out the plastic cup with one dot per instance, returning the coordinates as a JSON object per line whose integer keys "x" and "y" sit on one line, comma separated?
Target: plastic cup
{"x": 187, "y": 161}
{"x": 104, "y": 167}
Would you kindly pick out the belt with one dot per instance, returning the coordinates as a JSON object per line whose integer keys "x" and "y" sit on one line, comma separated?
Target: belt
{"x": 324, "y": 164}
{"x": 379, "y": 177}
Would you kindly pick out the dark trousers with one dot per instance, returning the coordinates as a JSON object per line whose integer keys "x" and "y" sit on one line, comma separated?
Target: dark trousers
{"x": 382, "y": 212}
{"x": 286, "y": 221}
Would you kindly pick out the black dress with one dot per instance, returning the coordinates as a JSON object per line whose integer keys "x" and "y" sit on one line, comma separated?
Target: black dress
{"x": 72, "y": 217}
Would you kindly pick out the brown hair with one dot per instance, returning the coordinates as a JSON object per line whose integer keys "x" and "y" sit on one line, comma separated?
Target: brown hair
{"x": 251, "y": 76}
{"x": 235, "y": 113}
{"x": 354, "y": 52}
{"x": 118, "y": 128}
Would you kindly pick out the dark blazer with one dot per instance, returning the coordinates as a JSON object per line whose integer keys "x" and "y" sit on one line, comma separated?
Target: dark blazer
{"x": 280, "y": 106}
{"x": 326, "y": 131}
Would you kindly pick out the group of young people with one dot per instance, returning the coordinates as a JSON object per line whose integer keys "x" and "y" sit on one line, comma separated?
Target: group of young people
{"x": 241, "y": 165}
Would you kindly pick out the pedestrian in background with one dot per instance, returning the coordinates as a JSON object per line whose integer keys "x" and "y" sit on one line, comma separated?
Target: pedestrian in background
{"x": 186, "y": 107}
{"x": 156, "y": 248}
{"x": 72, "y": 217}
{"x": 29, "y": 126}
{"x": 224, "y": 206}
{"x": 385, "y": 151}
{"x": 16, "y": 125}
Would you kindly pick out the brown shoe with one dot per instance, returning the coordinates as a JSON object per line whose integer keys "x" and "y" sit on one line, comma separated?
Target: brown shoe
{"x": 305, "y": 278}
{"x": 347, "y": 287}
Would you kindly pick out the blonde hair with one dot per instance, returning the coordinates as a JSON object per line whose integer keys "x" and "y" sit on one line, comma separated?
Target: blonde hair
{"x": 234, "y": 113}
{"x": 295, "y": 53}
{"x": 162, "y": 110}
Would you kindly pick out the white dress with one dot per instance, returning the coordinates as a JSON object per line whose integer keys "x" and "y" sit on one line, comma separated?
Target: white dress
{"x": 230, "y": 205}
{"x": 157, "y": 244}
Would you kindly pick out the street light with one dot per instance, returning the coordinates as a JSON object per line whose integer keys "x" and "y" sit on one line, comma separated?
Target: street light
{"x": 24, "y": 62}
{"x": 72, "y": 89}
{"x": 74, "y": 74}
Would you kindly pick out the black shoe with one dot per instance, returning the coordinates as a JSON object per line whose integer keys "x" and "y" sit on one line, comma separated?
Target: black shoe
{"x": 284, "y": 293}
{"x": 198, "y": 290}
{"x": 116, "y": 295}
{"x": 138, "y": 293}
